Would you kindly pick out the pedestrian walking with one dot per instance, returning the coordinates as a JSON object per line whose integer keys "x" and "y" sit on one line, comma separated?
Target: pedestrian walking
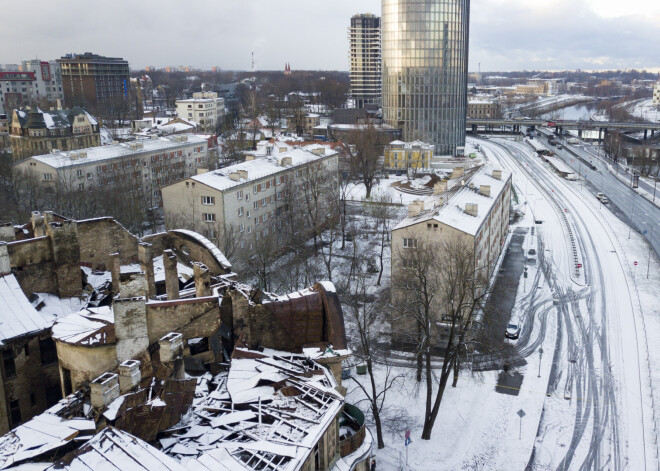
{"x": 373, "y": 465}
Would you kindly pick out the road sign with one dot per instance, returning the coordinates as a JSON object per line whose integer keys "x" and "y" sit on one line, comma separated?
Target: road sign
{"x": 521, "y": 413}
{"x": 407, "y": 434}
{"x": 635, "y": 262}
{"x": 579, "y": 265}
{"x": 644, "y": 231}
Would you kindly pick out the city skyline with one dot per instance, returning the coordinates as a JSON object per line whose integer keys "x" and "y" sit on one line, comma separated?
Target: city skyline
{"x": 557, "y": 35}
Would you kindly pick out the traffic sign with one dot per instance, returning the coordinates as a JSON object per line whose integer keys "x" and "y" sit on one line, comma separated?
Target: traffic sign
{"x": 635, "y": 262}
{"x": 521, "y": 413}
{"x": 579, "y": 265}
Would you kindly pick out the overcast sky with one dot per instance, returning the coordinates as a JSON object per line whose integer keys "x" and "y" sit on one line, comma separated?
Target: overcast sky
{"x": 312, "y": 34}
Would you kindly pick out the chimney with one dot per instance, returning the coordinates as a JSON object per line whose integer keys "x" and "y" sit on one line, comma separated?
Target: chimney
{"x": 249, "y": 157}
{"x": 146, "y": 259}
{"x": 171, "y": 347}
{"x": 234, "y": 176}
{"x": 484, "y": 190}
{"x": 115, "y": 271}
{"x": 104, "y": 390}
{"x": 440, "y": 187}
{"x": 7, "y": 232}
{"x": 415, "y": 208}
{"x": 73, "y": 155}
{"x": 38, "y": 226}
{"x": 201, "y": 170}
{"x": 457, "y": 172}
{"x": 202, "y": 278}
{"x": 171, "y": 275}
{"x": 131, "y": 327}
{"x": 132, "y": 285}
{"x": 243, "y": 174}
{"x": 472, "y": 209}
{"x": 497, "y": 174}
{"x": 286, "y": 161}
{"x": 5, "y": 265}
{"x": 320, "y": 151}
{"x": 129, "y": 375}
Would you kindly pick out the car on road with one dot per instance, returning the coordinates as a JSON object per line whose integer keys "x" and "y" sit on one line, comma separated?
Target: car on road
{"x": 604, "y": 200}
{"x": 512, "y": 331}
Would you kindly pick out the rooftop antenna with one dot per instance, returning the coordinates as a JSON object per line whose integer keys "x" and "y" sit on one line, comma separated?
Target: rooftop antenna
{"x": 252, "y": 61}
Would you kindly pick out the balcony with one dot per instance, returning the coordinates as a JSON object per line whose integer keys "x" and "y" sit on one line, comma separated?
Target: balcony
{"x": 355, "y": 441}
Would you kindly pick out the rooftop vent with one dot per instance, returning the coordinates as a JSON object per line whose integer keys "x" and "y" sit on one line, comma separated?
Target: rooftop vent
{"x": 104, "y": 389}
{"x": 171, "y": 347}
{"x": 472, "y": 209}
{"x": 129, "y": 375}
{"x": 484, "y": 190}
{"x": 497, "y": 174}
{"x": 415, "y": 208}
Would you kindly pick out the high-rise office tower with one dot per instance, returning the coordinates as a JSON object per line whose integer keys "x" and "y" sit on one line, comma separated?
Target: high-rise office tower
{"x": 425, "y": 60}
{"x": 89, "y": 79}
{"x": 364, "y": 37}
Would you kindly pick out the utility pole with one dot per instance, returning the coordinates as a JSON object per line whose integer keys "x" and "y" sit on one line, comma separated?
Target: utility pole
{"x": 648, "y": 263}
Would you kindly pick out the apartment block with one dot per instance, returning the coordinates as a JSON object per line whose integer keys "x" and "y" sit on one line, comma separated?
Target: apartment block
{"x": 482, "y": 108}
{"x": 473, "y": 206}
{"x": 145, "y": 165}
{"x": 204, "y": 108}
{"x": 365, "y": 59}
{"x": 246, "y": 199}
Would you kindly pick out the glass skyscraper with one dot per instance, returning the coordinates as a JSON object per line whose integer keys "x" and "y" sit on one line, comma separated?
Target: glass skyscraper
{"x": 424, "y": 68}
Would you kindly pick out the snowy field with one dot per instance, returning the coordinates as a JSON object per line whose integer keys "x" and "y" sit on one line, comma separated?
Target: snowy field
{"x": 646, "y": 110}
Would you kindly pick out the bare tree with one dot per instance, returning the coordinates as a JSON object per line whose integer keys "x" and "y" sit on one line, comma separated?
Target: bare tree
{"x": 383, "y": 213}
{"x": 365, "y": 308}
{"x": 364, "y": 147}
{"x": 438, "y": 293}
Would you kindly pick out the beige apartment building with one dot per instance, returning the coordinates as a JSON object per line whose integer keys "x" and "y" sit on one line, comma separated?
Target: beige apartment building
{"x": 473, "y": 206}
{"x": 146, "y": 165}
{"x": 204, "y": 108}
{"x": 246, "y": 200}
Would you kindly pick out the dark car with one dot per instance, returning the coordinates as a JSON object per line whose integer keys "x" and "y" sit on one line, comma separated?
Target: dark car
{"x": 512, "y": 331}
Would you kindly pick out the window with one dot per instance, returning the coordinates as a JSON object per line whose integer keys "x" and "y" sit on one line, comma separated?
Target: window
{"x": 256, "y": 221}
{"x": 209, "y": 217}
{"x": 48, "y": 176}
{"x": 90, "y": 176}
{"x": 279, "y": 196}
{"x": 247, "y": 196}
{"x": 249, "y": 229}
{"x": 239, "y": 195}
{"x": 256, "y": 204}
{"x": 409, "y": 243}
{"x": 241, "y": 227}
{"x": 254, "y": 189}
{"x": 208, "y": 200}
{"x": 247, "y": 214}
{"x": 48, "y": 351}
{"x": 240, "y": 211}
{"x": 263, "y": 202}
{"x": 81, "y": 186}
{"x": 79, "y": 173}
{"x": 10, "y": 366}
{"x": 264, "y": 218}
{"x": 15, "y": 412}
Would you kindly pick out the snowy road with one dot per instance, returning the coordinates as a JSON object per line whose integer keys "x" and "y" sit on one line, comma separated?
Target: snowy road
{"x": 598, "y": 414}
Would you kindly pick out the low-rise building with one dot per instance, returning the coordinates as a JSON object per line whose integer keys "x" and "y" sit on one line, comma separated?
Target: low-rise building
{"x": 204, "y": 108}
{"x": 472, "y": 208}
{"x": 482, "y": 108}
{"x": 35, "y": 132}
{"x": 145, "y": 165}
{"x": 246, "y": 199}
{"x": 656, "y": 94}
{"x": 400, "y": 155}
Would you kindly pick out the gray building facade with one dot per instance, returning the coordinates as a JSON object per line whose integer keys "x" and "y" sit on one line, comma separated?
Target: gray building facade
{"x": 365, "y": 58}
{"x": 425, "y": 69}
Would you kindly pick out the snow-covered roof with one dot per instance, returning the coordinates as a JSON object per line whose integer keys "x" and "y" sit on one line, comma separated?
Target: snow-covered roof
{"x": 41, "y": 434}
{"x": 270, "y": 407}
{"x": 413, "y": 144}
{"x": 113, "y": 449}
{"x": 258, "y": 168}
{"x": 116, "y": 151}
{"x": 91, "y": 326}
{"x": 17, "y": 316}
{"x": 449, "y": 208}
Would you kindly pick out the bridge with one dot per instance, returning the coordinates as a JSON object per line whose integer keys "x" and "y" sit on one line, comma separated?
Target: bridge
{"x": 603, "y": 127}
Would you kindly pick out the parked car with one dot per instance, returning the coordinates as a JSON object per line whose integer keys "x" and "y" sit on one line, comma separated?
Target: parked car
{"x": 512, "y": 331}
{"x": 604, "y": 200}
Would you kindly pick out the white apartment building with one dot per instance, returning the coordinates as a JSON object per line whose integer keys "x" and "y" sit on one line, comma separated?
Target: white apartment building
{"x": 204, "y": 108}
{"x": 656, "y": 94}
{"x": 245, "y": 199}
{"x": 33, "y": 82}
{"x": 147, "y": 165}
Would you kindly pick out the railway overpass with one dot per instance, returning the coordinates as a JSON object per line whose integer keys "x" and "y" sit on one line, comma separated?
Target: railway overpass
{"x": 603, "y": 127}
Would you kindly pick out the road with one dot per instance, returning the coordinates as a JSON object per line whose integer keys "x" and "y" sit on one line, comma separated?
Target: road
{"x": 596, "y": 415}
{"x": 645, "y": 216}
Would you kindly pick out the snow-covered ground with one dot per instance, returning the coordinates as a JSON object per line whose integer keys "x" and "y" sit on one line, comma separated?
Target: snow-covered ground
{"x": 645, "y": 109}
{"x": 599, "y": 411}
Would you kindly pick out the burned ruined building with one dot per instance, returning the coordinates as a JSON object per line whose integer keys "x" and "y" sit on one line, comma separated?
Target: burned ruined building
{"x": 149, "y": 350}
